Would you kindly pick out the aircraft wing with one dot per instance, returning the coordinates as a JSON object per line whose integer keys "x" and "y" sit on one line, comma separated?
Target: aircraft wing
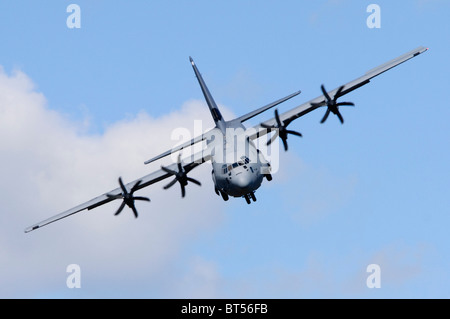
{"x": 287, "y": 117}
{"x": 205, "y": 136}
{"x": 154, "y": 177}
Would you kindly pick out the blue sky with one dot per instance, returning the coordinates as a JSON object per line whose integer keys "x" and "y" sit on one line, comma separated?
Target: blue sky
{"x": 80, "y": 107}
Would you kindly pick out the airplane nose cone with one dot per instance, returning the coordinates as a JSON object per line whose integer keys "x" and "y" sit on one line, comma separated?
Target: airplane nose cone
{"x": 242, "y": 181}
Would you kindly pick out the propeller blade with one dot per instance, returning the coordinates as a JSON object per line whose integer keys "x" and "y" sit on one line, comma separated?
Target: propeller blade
{"x": 332, "y": 105}
{"x": 180, "y": 176}
{"x": 340, "y": 117}
{"x": 285, "y": 144}
{"x": 325, "y": 93}
{"x": 134, "y": 211}
{"x": 120, "y": 209}
{"x": 170, "y": 184}
{"x": 135, "y": 187}
{"x": 345, "y": 104}
{"x": 272, "y": 139}
{"x": 194, "y": 181}
{"x": 180, "y": 167}
{"x": 128, "y": 198}
{"x": 294, "y": 133}
{"x": 124, "y": 190}
{"x": 338, "y": 93}
{"x": 277, "y": 118}
{"x": 325, "y": 116}
{"x": 280, "y": 127}
{"x": 142, "y": 198}
{"x": 288, "y": 121}
{"x": 169, "y": 171}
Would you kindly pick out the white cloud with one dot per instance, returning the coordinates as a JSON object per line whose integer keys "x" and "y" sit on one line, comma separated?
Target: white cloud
{"x": 49, "y": 165}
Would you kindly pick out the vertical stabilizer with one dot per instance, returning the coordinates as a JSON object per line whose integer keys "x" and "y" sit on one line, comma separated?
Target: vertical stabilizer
{"x": 215, "y": 113}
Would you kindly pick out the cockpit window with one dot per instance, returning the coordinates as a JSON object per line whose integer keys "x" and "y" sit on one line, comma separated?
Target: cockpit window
{"x": 244, "y": 160}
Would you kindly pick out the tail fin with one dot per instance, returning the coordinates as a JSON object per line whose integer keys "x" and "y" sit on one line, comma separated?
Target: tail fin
{"x": 217, "y": 117}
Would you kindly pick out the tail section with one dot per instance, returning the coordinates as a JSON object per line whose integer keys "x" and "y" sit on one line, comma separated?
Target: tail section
{"x": 216, "y": 115}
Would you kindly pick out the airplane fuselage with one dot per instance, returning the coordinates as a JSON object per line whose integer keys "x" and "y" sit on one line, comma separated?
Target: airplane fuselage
{"x": 237, "y": 163}
{"x": 238, "y": 166}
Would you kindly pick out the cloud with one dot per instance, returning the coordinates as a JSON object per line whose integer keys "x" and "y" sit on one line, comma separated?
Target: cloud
{"x": 49, "y": 164}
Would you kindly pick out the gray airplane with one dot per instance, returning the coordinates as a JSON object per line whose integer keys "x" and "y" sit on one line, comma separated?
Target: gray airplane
{"x": 239, "y": 165}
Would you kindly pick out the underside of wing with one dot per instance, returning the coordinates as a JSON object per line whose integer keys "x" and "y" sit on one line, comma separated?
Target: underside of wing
{"x": 125, "y": 191}
{"x": 329, "y": 98}
{"x": 205, "y": 136}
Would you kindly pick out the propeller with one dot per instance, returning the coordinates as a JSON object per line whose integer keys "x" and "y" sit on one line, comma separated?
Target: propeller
{"x": 282, "y": 131}
{"x": 332, "y": 105}
{"x": 180, "y": 176}
{"x": 128, "y": 198}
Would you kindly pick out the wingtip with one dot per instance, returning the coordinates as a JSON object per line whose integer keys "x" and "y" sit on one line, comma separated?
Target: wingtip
{"x": 29, "y": 229}
{"x": 191, "y": 60}
{"x": 423, "y": 49}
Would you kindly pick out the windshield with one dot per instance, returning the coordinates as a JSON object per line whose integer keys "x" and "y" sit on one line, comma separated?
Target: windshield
{"x": 244, "y": 160}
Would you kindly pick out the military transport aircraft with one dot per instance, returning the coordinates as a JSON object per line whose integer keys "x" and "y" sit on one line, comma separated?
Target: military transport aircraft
{"x": 239, "y": 167}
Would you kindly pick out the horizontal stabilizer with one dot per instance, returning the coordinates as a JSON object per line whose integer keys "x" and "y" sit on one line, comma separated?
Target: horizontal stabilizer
{"x": 266, "y": 107}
